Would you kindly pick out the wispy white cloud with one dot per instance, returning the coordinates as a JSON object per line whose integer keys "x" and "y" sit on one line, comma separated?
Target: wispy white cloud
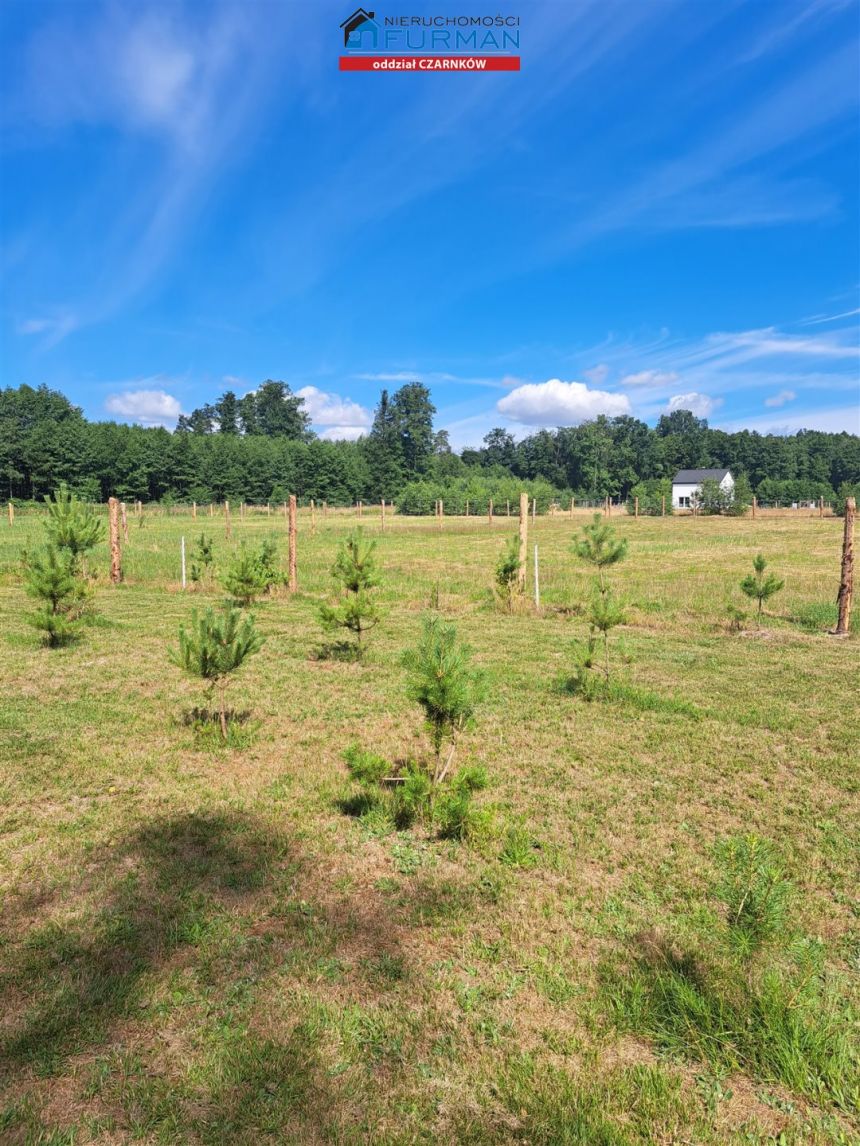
{"x": 818, "y": 319}
{"x": 147, "y": 407}
{"x": 650, "y": 378}
{"x": 54, "y": 328}
{"x": 781, "y": 398}
{"x": 835, "y": 420}
{"x": 596, "y": 375}
{"x": 557, "y": 403}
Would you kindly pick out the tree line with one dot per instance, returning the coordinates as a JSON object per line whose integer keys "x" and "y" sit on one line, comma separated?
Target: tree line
{"x": 260, "y": 448}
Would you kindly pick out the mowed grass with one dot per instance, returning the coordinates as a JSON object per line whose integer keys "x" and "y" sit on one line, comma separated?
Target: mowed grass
{"x": 198, "y": 946}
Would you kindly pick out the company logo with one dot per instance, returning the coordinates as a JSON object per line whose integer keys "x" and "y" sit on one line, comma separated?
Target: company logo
{"x": 453, "y": 43}
{"x": 356, "y": 26}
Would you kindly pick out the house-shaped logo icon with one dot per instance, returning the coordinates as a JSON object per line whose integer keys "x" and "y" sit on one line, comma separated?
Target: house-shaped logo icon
{"x": 356, "y": 26}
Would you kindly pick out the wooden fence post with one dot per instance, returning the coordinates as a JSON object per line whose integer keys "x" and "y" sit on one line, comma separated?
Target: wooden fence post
{"x": 115, "y": 551}
{"x": 490, "y": 512}
{"x": 754, "y": 504}
{"x": 227, "y": 530}
{"x": 242, "y": 510}
{"x": 182, "y": 558}
{"x": 467, "y": 509}
{"x": 846, "y": 584}
{"x": 294, "y": 584}
{"x": 325, "y": 509}
{"x": 572, "y": 500}
{"x": 821, "y": 507}
{"x": 382, "y": 515}
{"x": 534, "y": 510}
{"x": 537, "y": 581}
{"x": 663, "y": 506}
{"x": 524, "y": 537}
{"x": 509, "y": 507}
{"x": 636, "y": 507}
{"x": 211, "y": 509}
{"x": 313, "y": 518}
{"x": 124, "y": 520}
{"x": 194, "y": 511}
{"x": 11, "y": 514}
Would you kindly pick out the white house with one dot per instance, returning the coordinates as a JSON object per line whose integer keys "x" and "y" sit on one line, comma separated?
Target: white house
{"x": 687, "y": 483}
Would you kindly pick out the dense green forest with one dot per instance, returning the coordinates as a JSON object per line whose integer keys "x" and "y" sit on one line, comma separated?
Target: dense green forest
{"x": 260, "y": 448}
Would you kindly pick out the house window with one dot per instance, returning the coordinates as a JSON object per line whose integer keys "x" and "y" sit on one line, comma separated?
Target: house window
{"x": 684, "y": 502}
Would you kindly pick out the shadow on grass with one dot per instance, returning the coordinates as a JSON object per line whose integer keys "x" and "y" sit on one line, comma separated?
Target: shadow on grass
{"x": 345, "y": 651}
{"x": 166, "y": 879}
{"x": 233, "y": 893}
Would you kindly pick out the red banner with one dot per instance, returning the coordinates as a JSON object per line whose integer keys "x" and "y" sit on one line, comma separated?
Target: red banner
{"x": 429, "y": 63}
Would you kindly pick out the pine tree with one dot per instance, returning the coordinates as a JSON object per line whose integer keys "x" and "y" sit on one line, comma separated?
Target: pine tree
{"x": 246, "y": 578}
{"x": 214, "y": 647}
{"x": 761, "y": 587}
{"x": 71, "y": 525}
{"x": 202, "y": 558}
{"x": 50, "y": 576}
{"x": 356, "y": 571}
{"x": 443, "y": 682}
{"x": 507, "y": 572}
{"x": 600, "y": 547}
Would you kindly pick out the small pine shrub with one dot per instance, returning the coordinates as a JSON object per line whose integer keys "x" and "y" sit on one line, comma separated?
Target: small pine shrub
{"x": 51, "y": 577}
{"x": 356, "y": 572}
{"x": 244, "y": 579}
{"x": 71, "y": 525}
{"x": 443, "y": 682}
{"x": 755, "y": 891}
{"x": 759, "y": 587}
{"x": 518, "y": 849}
{"x": 214, "y": 647}
{"x": 202, "y": 559}
{"x": 507, "y": 573}
{"x": 737, "y": 618}
{"x": 599, "y": 546}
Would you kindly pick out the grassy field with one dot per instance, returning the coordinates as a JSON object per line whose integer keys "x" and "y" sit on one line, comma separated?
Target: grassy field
{"x": 198, "y": 945}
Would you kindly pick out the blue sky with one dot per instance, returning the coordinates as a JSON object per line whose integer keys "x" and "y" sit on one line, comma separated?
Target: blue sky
{"x": 659, "y": 211}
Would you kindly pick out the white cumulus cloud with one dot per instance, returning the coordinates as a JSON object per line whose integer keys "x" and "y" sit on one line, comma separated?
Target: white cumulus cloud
{"x": 781, "y": 398}
{"x": 148, "y": 407}
{"x": 699, "y": 404}
{"x": 334, "y": 411}
{"x": 650, "y": 378}
{"x": 557, "y": 403}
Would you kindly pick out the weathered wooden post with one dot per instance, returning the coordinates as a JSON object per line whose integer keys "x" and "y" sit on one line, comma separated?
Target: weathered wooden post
{"x": 534, "y": 510}
{"x": 227, "y": 530}
{"x": 509, "y": 507}
{"x": 441, "y": 512}
{"x": 360, "y": 508}
{"x": 194, "y": 511}
{"x": 467, "y": 509}
{"x": 754, "y": 504}
{"x": 268, "y": 509}
{"x": 182, "y": 556}
{"x": 124, "y": 520}
{"x": 115, "y": 551}
{"x": 382, "y": 515}
{"x": 313, "y": 518}
{"x": 11, "y": 514}
{"x": 524, "y": 537}
{"x": 821, "y": 507}
{"x": 663, "y": 506}
{"x": 537, "y": 581}
{"x": 211, "y": 509}
{"x": 846, "y": 584}
{"x": 286, "y": 515}
{"x": 294, "y": 584}
{"x": 572, "y": 500}
{"x": 636, "y": 507}
{"x": 241, "y": 510}
{"x": 325, "y": 509}
{"x": 490, "y": 512}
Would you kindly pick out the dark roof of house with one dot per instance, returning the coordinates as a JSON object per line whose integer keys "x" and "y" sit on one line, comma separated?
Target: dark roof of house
{"x": 688, "y": 477}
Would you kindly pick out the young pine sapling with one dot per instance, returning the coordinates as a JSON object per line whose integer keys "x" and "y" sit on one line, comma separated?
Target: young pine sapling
{"x": 761, "y": 587}
{"x": 245, "y": 578}
{"x": 356, "y": 571}
{"x": 599, "y": 546}
{"x": 202, "y": 559}
{"x": 214, "y": 647}
{"x": 71, "y": 525}
{"x": 507, "y": 574}
{"x": 443, "y": 682}
{"x": 50, "y": 575}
